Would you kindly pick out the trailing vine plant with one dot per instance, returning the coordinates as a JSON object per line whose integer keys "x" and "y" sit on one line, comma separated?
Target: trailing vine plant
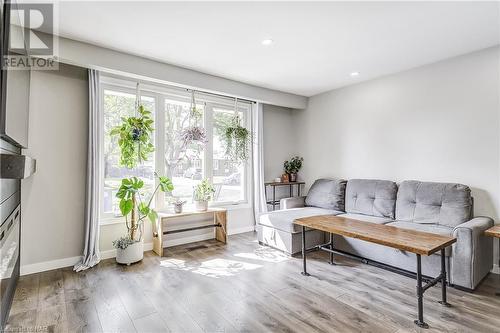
{"x": 237, "y": 139}
{"x": 134, "y": 138}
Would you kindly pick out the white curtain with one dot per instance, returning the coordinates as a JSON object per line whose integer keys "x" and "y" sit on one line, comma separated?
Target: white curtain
{"x": 91, "y": 254}
{"x": 259, "y": 202}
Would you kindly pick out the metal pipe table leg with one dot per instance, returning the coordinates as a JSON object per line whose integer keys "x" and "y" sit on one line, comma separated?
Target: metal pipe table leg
{"x": 498, "y": 292}
{"x": 420, "y": 295}
{"x": 304, "y": 271}
{"x": 331, "y": 248}
{"x": 443, "y": 280}
{"x": 274, "y": 197}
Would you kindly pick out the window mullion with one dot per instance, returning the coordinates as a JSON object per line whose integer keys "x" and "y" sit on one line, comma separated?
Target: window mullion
{"x": 160, "y": 146}
{"x": 209, "y": 147}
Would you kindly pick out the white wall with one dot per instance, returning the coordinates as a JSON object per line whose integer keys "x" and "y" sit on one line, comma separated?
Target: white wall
{"x": 92, "y": 56}
{"x": 53, "y": 199}
{"x": 434, "y": 123}
{"x": 279, "y": 145}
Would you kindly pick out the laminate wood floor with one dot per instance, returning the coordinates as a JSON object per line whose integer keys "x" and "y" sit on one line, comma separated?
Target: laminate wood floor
{"x": 241, "y": 286}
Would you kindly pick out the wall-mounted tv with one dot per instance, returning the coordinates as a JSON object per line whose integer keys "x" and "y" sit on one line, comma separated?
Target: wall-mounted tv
{"x": 15, "y": 83}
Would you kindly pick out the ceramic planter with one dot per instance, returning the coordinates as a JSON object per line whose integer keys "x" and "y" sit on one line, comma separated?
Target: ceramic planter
{"x": 133, "y": 253}
{"x": 201, "y": 206}
{"x": 178, "y": 208}
{"x": 293, "y": 177}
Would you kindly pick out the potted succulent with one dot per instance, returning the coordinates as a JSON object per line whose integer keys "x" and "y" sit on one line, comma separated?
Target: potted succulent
{"x": 178, "y": 203}
{"x": 135, "y": 146}
{"x": 293, "y": 166}
{"x": 203, "y": 192}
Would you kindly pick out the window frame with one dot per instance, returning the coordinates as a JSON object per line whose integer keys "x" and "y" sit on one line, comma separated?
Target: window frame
{"x": 160, "y": 94}
{"x": 107, "y": 216}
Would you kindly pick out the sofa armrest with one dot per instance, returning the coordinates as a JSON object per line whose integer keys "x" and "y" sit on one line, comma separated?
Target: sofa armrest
{"x": 293, "y": 202}
{"x": 472, "y": 256}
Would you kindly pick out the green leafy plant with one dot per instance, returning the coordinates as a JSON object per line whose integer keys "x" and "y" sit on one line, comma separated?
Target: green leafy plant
{"x": 237, "y": 140}
{"x": 294, "y": 165}
{"x": 135, "y": 138}
{"x": 131, "y": 203}
{"x": 203, "y": 191}
{"x": 135, "y": 142}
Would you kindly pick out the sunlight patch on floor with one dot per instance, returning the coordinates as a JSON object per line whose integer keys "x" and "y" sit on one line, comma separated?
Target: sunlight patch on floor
{"x": 264, "y": 254}
{"x": 214, "y": 268}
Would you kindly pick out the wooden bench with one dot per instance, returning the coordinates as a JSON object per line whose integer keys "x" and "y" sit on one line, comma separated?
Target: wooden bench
{"x": 418, "y": 242}
{"x": 220, "y": 225}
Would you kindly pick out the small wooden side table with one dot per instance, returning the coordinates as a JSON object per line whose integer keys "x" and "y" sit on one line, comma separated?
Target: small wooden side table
{"x": 495, "y": 232}
{"x": 219, "y": 218}
{"x": 273, "y": 185}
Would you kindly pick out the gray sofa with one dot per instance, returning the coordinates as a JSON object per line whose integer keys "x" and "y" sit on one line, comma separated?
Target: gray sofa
{"x": 441, "y": 208}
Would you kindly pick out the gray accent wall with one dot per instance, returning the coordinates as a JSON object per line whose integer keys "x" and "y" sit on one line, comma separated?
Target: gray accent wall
{"x": 438, "y": 123}
{"x": 279, "y": 144}
{"x": 52, "y": 200}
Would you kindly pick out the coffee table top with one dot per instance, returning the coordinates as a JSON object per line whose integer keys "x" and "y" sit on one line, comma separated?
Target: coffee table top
{"x": 417, "y": 242}
{"x": 493, "y": 231}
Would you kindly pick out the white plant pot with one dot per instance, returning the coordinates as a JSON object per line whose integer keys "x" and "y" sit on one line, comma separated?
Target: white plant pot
{"x": 133, "y": 253}
{"x": 201, "y": 206}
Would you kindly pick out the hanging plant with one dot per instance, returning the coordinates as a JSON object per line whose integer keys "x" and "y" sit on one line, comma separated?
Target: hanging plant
{"x": 237, "y": 139}
{"x": 193, "y": 134}
{"x": 135, "y": 135}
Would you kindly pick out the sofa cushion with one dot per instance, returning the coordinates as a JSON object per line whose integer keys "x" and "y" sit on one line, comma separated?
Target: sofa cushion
{"x": 433, "y": 203}
{"x": 283, "y": 219}
{"x": 367, "y": 218}
{"x": 432, "y": 228}
{"x": 327, "y": 193}
{"x": 371, "y": 197}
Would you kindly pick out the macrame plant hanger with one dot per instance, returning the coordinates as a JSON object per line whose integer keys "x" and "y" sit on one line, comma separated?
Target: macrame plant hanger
{"x": 137, "y": 98}
{"x": 192, "y": 110}
{"x": 236, "y": 117}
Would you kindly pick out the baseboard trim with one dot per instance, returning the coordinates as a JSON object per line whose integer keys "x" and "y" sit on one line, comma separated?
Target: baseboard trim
{"x": 241, "y": 230}
{"x": 49, "y": 265}
{"x": 71, "y": 261}
{"x": 495, "y": 269}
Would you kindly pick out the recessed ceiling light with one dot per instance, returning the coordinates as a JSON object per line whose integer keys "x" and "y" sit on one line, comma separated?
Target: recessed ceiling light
{"x": 354, "y": 74}
{"x": 267, "y": 42}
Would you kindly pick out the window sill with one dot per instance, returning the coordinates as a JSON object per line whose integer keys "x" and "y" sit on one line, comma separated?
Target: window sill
{"x": 111, "y": 220}
{"x": 229, "y": 206}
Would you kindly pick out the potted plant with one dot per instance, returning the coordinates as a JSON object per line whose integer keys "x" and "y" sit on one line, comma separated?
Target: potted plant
{"x": 130, "y": 248}
{"x": 193, "y": 134}
{"x": 134, "y": 138}
{"x": 293, "y": 166}
{"x": 178, "y": 203}
{"x": 236, "y": 138}
{"x": 203, "y": 192}
{"x": 135, "y": 146}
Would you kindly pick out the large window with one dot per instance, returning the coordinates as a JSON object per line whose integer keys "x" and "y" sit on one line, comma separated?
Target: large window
{"x": 185, "y": 165}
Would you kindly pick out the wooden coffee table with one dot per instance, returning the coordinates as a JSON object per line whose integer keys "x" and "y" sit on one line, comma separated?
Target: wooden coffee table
{"x": 420, "y": 243}
{"x": 495, "y": 232}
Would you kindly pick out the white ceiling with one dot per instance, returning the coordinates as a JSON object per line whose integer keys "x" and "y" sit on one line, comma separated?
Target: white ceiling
{"x": 317, "y": 45}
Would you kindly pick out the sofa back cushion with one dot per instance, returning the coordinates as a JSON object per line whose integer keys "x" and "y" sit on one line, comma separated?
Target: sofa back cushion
{"x": 328, "y": 194}
{"x": 433, "y": 203}
{"x": 371, "y": 197}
